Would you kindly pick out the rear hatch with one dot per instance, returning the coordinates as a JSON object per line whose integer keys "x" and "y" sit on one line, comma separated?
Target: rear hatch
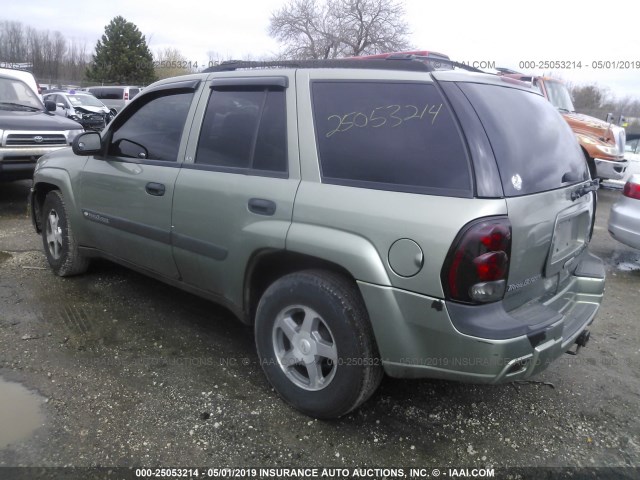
{"x": 546, "y": 183}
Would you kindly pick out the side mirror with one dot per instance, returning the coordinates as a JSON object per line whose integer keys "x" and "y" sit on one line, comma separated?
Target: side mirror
{"x": 609, "y": 118}
{"x": 88, "y": 143}
{"x": 61, "y": 105}
{"x": 50, "y": 105}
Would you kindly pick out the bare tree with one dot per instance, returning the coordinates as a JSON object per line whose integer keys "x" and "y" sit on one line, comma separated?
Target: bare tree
{"x": 315, "y": 29}
{"x": 13, "y": 42}
{"x": 171, "y": 63}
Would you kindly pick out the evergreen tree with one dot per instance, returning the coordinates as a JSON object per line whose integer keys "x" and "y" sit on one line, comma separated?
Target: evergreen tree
{"x": 122, "y": 56}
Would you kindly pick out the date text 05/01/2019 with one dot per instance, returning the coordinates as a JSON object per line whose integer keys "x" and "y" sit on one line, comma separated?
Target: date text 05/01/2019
{"x": 580, "y": 65}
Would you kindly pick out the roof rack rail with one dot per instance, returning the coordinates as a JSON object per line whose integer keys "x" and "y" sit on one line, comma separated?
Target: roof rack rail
{"x": 403, "y": 62}
{"x": 333, "y": 63}
{"x": 453, "y": 63}
{"x": 508, "y": 71}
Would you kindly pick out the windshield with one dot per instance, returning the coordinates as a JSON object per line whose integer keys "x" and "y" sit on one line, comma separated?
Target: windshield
{"x": 14, "y": 91}
{"x": 559, "y": 95}
{"x": 84, "y": 101}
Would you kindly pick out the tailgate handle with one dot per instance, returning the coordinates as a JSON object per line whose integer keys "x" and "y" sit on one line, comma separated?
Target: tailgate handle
{"x": 262, "y": 206}
{"x": 155, "y": 189}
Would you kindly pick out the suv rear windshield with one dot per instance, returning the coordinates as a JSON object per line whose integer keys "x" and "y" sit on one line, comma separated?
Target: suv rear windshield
{"x": 534, "y": 146}
{"x": 396, "y": 136}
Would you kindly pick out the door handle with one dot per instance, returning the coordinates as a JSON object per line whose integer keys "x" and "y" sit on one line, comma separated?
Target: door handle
{"x": 155, "y": 189}
{"x": 262, "y": 206}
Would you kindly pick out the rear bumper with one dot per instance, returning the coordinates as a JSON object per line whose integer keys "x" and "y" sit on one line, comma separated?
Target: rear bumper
{"x": 609, "y": 169}
{"x": 624, "y": 221}
{"x": 418, "y": 338}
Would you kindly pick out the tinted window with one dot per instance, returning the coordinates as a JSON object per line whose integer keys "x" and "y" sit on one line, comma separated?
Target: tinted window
{"x": 533, "y": 145}
{"x": 391, "y": 136}
{"x": 154, "y": 129}
{"x": 133, "y": 92}
{"x": 244, "y": 129}
{"x": 271, "y": 144}
{"x": 107, "y": 93}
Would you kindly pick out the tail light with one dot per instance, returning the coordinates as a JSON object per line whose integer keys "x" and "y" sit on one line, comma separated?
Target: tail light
{"x": 477, "y": 265}
{"x": 126, "y": 95}
{"x": 631, "y": 190}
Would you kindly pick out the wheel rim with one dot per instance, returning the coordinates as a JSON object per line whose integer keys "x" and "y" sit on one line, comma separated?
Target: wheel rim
{"x": 305, "y": 348}
{"x": 54, "y": 235}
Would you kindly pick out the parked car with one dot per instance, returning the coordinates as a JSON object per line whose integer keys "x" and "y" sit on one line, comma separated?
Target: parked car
{"x": 624, "y": 219}
{"x": 28, "y": 129}
{"x": 438, "y": 61}
{"x": 116, "y": 97}
{"x": 602, "y": 142}
{"x": 24, "y": 75}
{"x": 632, "y": 153}
{"x": 365, "y": 216}
{"x": 82, "y": 107}
{"x": 632, "y": 156}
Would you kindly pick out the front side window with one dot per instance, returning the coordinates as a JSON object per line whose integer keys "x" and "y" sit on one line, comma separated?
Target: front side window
{"x": 154, "y": 129}
{"x": 389, "y": 136}
{"x": 244, "y": 129}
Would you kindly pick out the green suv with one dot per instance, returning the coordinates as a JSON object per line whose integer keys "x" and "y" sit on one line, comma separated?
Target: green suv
{"x": 367, "y": 217}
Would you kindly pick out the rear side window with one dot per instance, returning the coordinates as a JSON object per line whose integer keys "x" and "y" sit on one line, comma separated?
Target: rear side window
{"x": 133, "y": 92}
{"x": 535, "y": 149}
{"x": 244, "y": 129}
{"x": 389, "y": 136}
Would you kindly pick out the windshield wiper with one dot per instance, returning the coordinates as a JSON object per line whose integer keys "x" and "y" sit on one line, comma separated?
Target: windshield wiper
{"x": 564, "y": 110}
{"x": 10, "y": 104}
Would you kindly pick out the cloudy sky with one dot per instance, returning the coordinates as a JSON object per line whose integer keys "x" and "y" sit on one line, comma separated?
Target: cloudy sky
{"x": 503, "y": 32}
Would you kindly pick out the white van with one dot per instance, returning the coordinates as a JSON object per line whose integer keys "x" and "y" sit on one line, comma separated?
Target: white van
{"x": 26, "y": 77}
{"x": 116, "y": 97}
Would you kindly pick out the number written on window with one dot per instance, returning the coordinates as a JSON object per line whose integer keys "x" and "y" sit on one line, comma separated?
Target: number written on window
{"x": 391, "y": 116}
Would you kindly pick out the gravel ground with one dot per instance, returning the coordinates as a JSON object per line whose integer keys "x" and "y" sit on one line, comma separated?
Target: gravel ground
{"x": 132, "y": 372}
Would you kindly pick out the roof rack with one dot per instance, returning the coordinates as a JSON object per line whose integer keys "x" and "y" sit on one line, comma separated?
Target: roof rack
{"x": 346, "y": 63}
{"x": 405, "y": 62}
{"x": 508, "y": 71}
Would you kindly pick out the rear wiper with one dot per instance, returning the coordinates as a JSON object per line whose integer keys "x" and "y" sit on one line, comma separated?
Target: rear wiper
{"x": 10, "y": 104}
{"x": 592, "y": 186}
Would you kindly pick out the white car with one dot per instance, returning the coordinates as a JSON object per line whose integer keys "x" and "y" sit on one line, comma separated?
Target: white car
{"x": 624, "y": 220}
{"x": 632, "y": 155}
{"x": 82, "y": 107}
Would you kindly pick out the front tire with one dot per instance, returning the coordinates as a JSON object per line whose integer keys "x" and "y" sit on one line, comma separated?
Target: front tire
{"x": 58, "y": 239}
{"x": 316, "y": 344}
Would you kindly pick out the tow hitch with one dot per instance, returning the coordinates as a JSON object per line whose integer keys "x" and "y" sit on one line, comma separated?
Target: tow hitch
{"x": 581, "y": 341}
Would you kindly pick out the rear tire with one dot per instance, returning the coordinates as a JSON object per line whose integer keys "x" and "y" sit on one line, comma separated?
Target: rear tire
{"x": 316, "y": 344}
{"x": 60, "y": 244}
